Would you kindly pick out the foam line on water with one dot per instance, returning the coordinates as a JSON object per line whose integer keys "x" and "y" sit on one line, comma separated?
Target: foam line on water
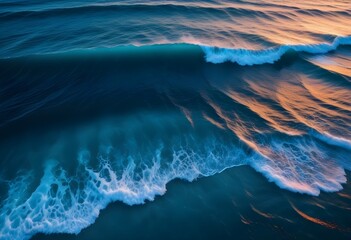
{"x": 301, "y": 165}
{"x": 64, "y": 203}
{"x": 255, "y": 57}
{"x": 332, "y": 140}
{"x": 67, "y": 204}
{"x": 213, "y": 54}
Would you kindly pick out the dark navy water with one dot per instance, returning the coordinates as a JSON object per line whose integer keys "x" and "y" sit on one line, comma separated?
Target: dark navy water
{"x": 241, "y": 111}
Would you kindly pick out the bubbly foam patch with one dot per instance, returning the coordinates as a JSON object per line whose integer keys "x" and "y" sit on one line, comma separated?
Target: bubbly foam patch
{"x": 254, "y": 57}
{"x": 301, "y": 165}
{"x": 67, "y": 204}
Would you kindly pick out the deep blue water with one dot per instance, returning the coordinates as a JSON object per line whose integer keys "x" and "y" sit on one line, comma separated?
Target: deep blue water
{"x": 105, "y": 102}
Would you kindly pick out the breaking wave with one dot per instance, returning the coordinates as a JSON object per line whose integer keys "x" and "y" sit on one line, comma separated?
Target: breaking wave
{"x": 212, "y": 54}
{"x": 254, "y": 57}
{"x": 68, "y": 203}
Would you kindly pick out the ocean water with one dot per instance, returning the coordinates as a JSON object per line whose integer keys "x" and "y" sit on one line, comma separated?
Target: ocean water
{"x": 118, "y": 101}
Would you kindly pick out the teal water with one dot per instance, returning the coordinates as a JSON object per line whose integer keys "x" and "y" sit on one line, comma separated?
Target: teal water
{"x": 175, "y": 119}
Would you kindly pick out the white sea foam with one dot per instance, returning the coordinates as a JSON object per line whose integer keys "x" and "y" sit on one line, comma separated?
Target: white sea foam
{"x": 301, "y": 165}
{"x": 332, "y": 140}
{"x": 270, "y": 55}
{"x": 64, "y": 203}
{"x": 67, "y": 204}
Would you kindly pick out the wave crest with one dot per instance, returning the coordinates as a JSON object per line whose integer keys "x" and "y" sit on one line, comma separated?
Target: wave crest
{"x": 255, "y": 57}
